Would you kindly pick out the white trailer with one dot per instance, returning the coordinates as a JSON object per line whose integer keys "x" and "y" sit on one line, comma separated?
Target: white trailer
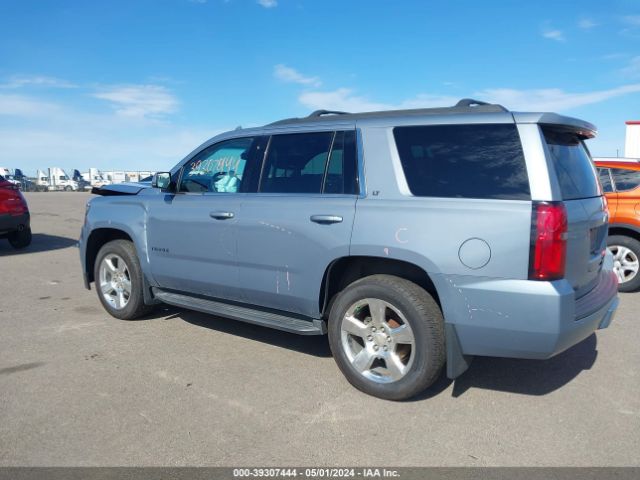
{"x": 95, "y": 178}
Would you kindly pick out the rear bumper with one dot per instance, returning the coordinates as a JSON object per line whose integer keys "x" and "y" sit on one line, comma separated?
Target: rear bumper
{"x": 11, "y": 223}
{"x": 528, "y": 319}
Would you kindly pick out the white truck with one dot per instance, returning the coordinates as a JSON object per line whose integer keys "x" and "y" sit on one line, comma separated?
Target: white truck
{"x": 95, "y": 178}
{"x": 56, "y": 179}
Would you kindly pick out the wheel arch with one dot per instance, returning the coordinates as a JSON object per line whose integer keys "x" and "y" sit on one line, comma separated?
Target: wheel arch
{"x": 95, "y": 241}
{"x": 624, "y": 230}
{"x": 345, "y": 270}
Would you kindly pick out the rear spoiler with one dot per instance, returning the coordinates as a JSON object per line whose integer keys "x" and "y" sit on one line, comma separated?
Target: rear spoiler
{"x": 119, "y": 189}
{"x": 582, "y": 128}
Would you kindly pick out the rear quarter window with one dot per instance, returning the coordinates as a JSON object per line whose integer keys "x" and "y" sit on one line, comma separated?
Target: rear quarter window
{"x": 574, "y": 168}
{"x": 463, "y": 161}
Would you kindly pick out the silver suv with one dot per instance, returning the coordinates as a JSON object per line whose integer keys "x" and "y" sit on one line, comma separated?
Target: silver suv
{"x": 414, "y": 238}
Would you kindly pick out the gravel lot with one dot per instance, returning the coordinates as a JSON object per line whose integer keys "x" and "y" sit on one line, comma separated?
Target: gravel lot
{"x": 78, "y": 387}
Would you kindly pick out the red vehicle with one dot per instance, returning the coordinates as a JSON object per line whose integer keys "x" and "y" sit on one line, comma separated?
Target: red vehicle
{"x": 620, "y": 181}
{"x": 14, "y": 215}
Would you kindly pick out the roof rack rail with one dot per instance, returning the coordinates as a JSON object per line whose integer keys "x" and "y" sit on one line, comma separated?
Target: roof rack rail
{"x": 319, "y": 113}
{"x": 464, "y": 106}
{"x": 470, "y": 102}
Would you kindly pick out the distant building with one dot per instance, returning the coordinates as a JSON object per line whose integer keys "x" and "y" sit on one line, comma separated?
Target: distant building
{"x": 632, "y": 142}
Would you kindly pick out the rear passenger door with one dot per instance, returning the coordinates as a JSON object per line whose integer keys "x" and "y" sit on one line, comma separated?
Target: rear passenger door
{"x": 627, "y": 186}
{"x": 298, "y": 220}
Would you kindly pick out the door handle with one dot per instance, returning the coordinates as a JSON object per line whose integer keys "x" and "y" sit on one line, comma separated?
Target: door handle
{"x": 326, "y": 219}
{"x": 221, "y": 215}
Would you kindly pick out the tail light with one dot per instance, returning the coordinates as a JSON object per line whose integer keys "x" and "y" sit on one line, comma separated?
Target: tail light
{"x": 548, "y": 241}
{"x": 14, "y": 205}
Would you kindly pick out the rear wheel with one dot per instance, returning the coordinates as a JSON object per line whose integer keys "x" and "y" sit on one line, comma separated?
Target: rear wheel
{"x": 387, "y": 336}
{"x": 20, "y": 238}
{"x": 626, "y": 252}
{"x": 118, "y": 280}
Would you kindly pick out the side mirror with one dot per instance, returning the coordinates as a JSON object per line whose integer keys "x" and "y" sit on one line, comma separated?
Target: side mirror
{"x": 161, "y": 180}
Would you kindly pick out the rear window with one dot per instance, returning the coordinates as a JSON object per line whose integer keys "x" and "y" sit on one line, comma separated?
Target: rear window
{"x": 463, "y": 161}
{"x": 574, "y": 168}
{"x": 1, "y": 178}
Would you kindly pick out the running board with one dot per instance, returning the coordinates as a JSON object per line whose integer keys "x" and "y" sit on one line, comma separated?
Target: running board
{"x": 244, "y": 314}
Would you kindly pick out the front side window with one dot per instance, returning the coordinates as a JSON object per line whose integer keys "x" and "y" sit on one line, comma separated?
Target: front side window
{"x": 625, "y": 179}
{"x": 463, "y": 161}
{"x": 605, "y": 180}
{"x": 218, "y": 168}
{"x": 296, "y": 163}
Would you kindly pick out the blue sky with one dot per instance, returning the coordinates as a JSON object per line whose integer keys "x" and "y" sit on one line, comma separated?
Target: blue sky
{"x": 137, "y": 84}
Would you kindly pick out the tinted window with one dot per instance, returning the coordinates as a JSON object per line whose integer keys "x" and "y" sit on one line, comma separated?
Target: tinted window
{"x": 466, "y": 161}
{"x": 625, "y": 179}
{"x": 218, "y": 168}
{"x": 296, "y": 163}
{"x": 605, "y": 180}
{"x": 573, "y": 165}
{"x": 342, "y": 171}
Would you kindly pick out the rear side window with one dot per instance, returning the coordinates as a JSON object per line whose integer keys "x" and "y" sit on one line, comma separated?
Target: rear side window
{"x": 625, "y": 179}
{"x": 463, "y": 161}
{"x": 573, "y": 165}
{"x": 311, "y": 163}
{"x": 342, "y": 169}
{"x": 605, "y": 180}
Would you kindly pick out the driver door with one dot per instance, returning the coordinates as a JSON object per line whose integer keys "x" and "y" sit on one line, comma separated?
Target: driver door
{"x": 192, "y": 233}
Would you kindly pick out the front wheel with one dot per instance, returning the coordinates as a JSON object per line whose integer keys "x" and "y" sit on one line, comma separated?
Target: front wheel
{"x": 387, "y": 336}
{"x": 626, "y": 252}
{"x": 119, "y": 282}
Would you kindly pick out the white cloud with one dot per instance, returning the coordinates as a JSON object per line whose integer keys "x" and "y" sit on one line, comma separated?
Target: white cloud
{"x": 556, "y": 35}
{"x": 586, "y": 23}
{"x": 550, "y": 99}
{"x": 25, "y": 106}
{"x": 632, "y": 70}
{"x": 37, "y": 131}
{"x": 291, "y": 75}
{"x": 36, "y": 134}
{"x": 340, "y": 99}
{"x": 345, "y": 99}
{"x": 18, "y": 81}
{"x": 613, "y": 56}
{"x": 633, "y": 20}
{"x": 141, "y": 101}
{"x": 268, "y": 3}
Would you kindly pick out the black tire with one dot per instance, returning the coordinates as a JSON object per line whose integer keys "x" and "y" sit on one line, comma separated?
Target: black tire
{"x": 632, "y": 244}
{"x": 425, "y": 319}
{"x": 20, "y": 238}
{"x": 135, "y": 306}
{"x": 67, "y": 188}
